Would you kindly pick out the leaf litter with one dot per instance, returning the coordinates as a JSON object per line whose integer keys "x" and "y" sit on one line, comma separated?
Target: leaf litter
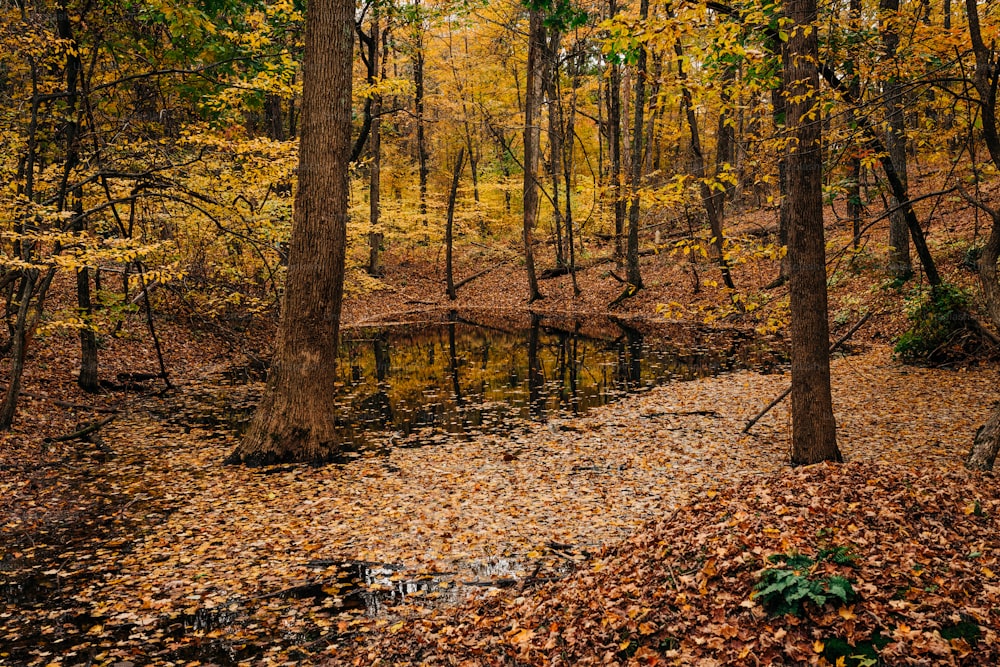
{"x": 185, "y": 561}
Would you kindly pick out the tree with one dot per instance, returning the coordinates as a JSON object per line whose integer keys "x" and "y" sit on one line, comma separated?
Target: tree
{"x": 895, "y": 141}
{"x": 814, "y": 437}
{"x": 632, "y": 272}
{"x": 985, "y": 78}
{"x": 294, "y": 420}
{"x": 532, "y": 136}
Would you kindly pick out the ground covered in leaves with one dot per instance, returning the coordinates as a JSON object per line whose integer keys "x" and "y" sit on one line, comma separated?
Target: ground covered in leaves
{"x": 146, "y": 550}
{"x": 872, "y": 563}
{"x": 137, "y": 547}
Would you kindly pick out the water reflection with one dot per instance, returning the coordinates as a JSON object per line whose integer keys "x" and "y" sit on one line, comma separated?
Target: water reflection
{"x": 462, "y": 376}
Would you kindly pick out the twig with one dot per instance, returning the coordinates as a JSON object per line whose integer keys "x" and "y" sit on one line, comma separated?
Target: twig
{"x": 85, "y": 431}
{"x": 840, "y": 341}
{"x": 465, "y": 281}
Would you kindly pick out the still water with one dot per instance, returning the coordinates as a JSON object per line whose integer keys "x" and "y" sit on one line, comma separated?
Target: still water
{"x": 421, "y": 381}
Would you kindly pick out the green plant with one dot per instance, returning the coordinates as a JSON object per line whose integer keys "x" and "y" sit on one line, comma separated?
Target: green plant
{"x": 786, "y": 590}
{"x": 935, "y": 315}
{"x": 863, "y": 653}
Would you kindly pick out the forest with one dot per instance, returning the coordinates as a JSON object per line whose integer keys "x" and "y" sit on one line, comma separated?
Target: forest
{"x": 499, "y": 332}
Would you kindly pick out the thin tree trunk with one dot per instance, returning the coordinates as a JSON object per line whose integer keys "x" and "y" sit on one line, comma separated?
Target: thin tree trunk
{"x": 614, "y": 95}
{"x": 814, "y": 436}
{"x": 146, "y": 290}
{"x": 532, "y": 135}
{"x": 18, "y": 348}
{"x": 854, "y": 204}
{"x": 697, "y": 169}
{"x": 87, "y": 378}
{"x": 725, "y": 153}
{"x": 632, "y": 272}
{"x": 296, "y": 417}
{"x": 375, "y": 235}
{"x": 450, "y": 225}
{"x": 550, "y": 74}
{"x": 899, "y": 266}
{"x": 568, "y": 164}
{"x": 418, "y": 95}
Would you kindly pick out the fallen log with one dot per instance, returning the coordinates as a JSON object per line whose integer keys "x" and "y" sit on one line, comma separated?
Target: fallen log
{"x": 84, "y": 432}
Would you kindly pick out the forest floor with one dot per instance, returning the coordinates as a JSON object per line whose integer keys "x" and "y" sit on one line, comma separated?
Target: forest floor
{"x": 139, "y": 547}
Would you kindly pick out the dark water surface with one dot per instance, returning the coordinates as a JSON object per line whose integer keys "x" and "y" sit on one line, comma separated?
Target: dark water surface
{"x": 420, "y": 382}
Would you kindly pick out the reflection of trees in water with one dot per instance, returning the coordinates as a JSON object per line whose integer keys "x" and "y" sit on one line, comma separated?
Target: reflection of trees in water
{"x": 536, "y": 377}
{"x": 377, "y": 408}
{"x": 629, "y": 348}
{"x": 459, "y": 375}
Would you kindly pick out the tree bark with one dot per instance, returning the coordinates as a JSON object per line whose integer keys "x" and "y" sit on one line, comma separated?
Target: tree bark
{"x": 779, "y": 112}
{"x": 295, "y": 419}
{"x": 418, "y": 95}
{"x": 899, "y": 265}
{"x": 532, "y": 135}
{"x": 632, "y": 273}
{"x": 450, "y": 225}
{"x": 814, "y": 437}
{"x": 550, "y": 74}
{"x": 614, "y": 95}
{"x": 854, "y": 204}
{"x": 713, "y": 205}
{"x": 87, "y": 378}
{"x": 375, "y": 237}
{"x": 986, "y": 444}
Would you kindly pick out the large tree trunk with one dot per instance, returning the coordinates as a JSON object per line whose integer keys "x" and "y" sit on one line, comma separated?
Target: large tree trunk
{"x": 532, "y": 135}
{"x": 814, "y": 435}
{"x": 295, "y": 419}
{"x": 987, "y": 441}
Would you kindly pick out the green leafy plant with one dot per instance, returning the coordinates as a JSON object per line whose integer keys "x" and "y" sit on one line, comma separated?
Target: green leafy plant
{"x": 787, "y": 589}
{"x": 936, "y": 316}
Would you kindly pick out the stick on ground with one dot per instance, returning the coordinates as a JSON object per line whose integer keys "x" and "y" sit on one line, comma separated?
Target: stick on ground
{"x": 840, "y": 341}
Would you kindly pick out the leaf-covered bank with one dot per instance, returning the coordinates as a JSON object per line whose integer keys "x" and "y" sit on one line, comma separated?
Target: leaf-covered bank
{"x": 156, "y": 554}
{"x": 916, "y": 549}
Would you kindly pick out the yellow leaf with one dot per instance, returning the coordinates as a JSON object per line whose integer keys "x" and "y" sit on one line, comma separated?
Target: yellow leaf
{"x": 625, "y": 644}
{"x": 523, "y": 636}
{"x": 818, "y": 646}
{"x": 847, "y": 614}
